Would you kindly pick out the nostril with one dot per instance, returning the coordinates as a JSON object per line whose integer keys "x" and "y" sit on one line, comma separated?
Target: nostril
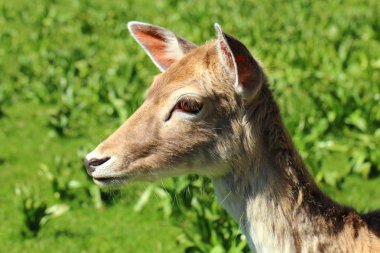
{"x": 96, "y": 162}
{"x": 92, "y": 163}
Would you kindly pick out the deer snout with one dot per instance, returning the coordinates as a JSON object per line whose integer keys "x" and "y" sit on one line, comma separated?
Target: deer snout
{"x": 93, "y": 163}
{"x": 99, "y": 164}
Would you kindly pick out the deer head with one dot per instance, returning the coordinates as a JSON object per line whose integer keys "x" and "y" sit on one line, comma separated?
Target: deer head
{"x": 192, "y": 120}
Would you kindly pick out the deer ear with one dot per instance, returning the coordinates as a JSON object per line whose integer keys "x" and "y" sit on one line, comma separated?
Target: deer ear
{"x": 162, "y": 45}
{"x": 246, "y": 72}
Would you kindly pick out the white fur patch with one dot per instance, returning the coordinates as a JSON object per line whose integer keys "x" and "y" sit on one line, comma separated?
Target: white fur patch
{"x": 105, "y": 169}
{"x": 257, "y": 217}
{"x": 173, "y": 49}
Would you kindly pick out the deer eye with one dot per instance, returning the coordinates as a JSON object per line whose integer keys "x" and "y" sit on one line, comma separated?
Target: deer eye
{"x": 188, "y": 105}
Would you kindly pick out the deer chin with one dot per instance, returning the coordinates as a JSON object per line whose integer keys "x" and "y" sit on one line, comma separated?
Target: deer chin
{"x": 111, "y": 182}
{"x": 114, "y": 175}
{"x": 118, "y": 181}
{"x": 135, "y": 174}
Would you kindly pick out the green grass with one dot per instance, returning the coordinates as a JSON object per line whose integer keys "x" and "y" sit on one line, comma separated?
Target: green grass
{"x": 29, "y": 143}
{"x": 70, "y": 74}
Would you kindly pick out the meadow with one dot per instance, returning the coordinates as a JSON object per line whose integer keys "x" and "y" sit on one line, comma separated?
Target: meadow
{"x": 70, "y": 74}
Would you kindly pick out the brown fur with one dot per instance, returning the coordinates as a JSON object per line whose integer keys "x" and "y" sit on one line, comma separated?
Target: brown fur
{"x": 302, "y": 194}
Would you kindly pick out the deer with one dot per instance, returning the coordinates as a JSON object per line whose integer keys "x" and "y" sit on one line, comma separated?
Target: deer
{"x": 211, "y": 112}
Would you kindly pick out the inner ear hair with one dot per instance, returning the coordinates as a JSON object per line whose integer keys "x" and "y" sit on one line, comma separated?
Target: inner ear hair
{"x": 162, "y": 45}
{"x": 249, "y": 75}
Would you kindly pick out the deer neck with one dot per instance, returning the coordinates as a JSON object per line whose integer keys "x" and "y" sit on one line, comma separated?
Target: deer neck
{"x": 270, "y": 193}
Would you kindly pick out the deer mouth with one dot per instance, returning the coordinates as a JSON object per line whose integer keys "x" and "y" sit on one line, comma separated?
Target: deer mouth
{"x": 110, "y": 181}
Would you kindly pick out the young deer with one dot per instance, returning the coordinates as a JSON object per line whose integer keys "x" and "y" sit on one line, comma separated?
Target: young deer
{"x": 211, "y": 112}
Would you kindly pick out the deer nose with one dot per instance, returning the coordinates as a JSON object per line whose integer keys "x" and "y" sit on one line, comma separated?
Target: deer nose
{"x": 93, "y": 163}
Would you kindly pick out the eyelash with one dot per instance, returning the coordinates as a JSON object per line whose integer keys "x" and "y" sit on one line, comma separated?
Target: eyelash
{"x": 188, "y": 105}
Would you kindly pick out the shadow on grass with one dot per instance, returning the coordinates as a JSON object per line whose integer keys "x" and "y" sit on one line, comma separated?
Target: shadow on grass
{"x": 374, "y": 173}
{"x": 68, "y": 234}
